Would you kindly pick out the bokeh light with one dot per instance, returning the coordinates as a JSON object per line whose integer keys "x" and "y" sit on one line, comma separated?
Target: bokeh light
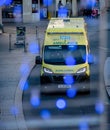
{"x": 17, "y": 13}
{"x": 45, "y": 114}
{"x": 87, "y": 3}
{"x": 84, "y": 58}
{"x": 71, "y": 93}
{"x": 90, "y": 3}
{"x": 14, "y": 110}
{"x": 34, "y": 48}
{"x": 83, "y": 126}
{"x": 47, "y": 2}
{"x": 62, "y": 12}
{"x": 2, "y": 2}
{"x": 90, "y": 58}
{"x": 61, "y": 103}
{"x": 24, "y": 69}
{"x": 68, "y": 79}
{"x": 8, "y": 2}
{"x": 35, "y": 98}
{"x": 21, "y": 84}
{"x": 99, "y": 107}
{"x": 70, "y": 61}
{"x": 24, "y": 85}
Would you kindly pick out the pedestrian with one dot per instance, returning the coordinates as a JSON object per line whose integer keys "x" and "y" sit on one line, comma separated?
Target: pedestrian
{"x": 60, "y": 4}
{"x": 68, "y": 7}
{"x": 94, "y": 13}
{"x": 62, "y": 12}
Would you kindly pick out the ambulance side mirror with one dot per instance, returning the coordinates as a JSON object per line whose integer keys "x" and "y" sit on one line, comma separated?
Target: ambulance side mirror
{"x": 38, "y": 60}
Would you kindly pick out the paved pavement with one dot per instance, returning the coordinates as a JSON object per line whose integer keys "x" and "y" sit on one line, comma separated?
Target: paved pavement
{"x": 15, "y": 66}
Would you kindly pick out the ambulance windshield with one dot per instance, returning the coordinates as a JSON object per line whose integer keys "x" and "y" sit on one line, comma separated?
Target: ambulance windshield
{"x": 65, "y": 54}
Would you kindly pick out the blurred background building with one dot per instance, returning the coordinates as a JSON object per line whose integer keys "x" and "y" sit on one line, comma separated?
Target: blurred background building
{"x": 35, "y": 10}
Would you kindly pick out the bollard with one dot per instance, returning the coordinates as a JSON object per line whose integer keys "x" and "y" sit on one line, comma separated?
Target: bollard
{"x": 25, "y": 50}
{"x": 9, "y": 42}
{"x": 36, "y": 32}
{"x": 39, "y": 45}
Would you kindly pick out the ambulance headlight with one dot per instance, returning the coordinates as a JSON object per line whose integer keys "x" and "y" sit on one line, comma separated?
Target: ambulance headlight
{"x": 82, "y": 70}
{"x": 46, "y": 70}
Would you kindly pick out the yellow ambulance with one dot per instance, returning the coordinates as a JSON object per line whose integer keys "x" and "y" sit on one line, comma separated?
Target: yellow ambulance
{"x": 65, "y": 54}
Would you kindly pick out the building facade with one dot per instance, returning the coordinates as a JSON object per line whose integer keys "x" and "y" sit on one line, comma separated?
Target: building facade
{"x": 30, "y": 11}
{"x": 45, "y": 9}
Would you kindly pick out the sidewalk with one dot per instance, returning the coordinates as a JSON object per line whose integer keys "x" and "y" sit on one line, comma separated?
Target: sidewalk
{"x": 10, "y": 69}
{"x": 15, "y": 66}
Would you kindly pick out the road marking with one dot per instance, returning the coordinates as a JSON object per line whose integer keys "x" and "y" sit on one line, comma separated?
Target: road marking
{"x": 105, "y": 49}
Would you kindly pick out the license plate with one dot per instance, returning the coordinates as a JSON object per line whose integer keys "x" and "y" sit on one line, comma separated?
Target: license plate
{"x": 64, "y": 86}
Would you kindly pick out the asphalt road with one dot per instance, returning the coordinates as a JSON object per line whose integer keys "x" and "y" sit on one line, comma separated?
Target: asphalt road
{"x": 81, "y": 106}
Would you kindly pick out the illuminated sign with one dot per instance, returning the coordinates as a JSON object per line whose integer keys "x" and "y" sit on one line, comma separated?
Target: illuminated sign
{"x": 65, "y": 37}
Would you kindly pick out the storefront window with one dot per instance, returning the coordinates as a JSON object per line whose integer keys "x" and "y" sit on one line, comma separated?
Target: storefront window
{"x": 8, "y": 11}
{"x": 34, "y": 6}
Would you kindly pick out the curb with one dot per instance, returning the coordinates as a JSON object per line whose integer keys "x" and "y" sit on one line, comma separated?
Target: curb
{"x": 20, "y": 120}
